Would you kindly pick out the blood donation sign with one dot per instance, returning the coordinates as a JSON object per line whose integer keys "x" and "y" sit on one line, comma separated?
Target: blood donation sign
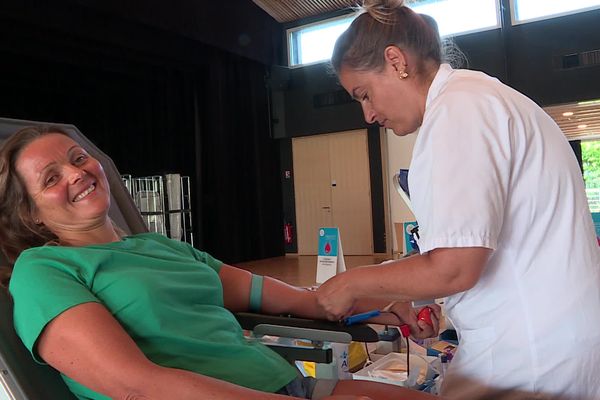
{"x": 330, "y": 259}
{"x": 596, "y": 218}
{"x": 409, "y": 244}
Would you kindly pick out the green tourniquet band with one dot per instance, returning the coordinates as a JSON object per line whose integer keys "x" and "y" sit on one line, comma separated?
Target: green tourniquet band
{"x": 256, "y": 287}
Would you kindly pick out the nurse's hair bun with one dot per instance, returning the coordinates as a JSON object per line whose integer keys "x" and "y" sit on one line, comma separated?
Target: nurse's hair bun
{"x": 382, "y": 10}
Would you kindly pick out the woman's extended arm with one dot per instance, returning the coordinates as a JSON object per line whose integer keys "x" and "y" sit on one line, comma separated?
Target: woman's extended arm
{"x": 277, "y": 297}
{"x": 280, "y": 298}
{"x": 87, "y": 344}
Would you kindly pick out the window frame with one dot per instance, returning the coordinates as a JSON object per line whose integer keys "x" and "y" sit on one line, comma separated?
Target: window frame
{"x": 498, "y": 25}
{"x": 291, "y": 31}
{"x": 514, "y": 21}
{"x": 292, "y": 45}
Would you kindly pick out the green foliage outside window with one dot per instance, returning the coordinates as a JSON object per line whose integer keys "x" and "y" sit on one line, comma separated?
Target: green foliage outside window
{"x": 590, "y": 154}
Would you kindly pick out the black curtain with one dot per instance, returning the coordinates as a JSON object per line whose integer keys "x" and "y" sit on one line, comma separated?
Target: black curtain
{"x": 205, "y": 116}
{"x": 241, "y": 212}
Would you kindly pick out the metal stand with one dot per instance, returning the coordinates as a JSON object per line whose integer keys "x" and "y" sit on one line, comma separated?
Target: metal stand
{"x": 165, "y": 204}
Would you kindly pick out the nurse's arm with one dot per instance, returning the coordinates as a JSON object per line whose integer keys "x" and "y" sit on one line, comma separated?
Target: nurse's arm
{"x": 438, "y": 273}
{"x": 87, "y": 344}
{"x": 281, "y": 298}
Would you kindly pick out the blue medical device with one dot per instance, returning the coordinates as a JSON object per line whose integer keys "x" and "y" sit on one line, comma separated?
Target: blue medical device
{"x": 353, "y": 319}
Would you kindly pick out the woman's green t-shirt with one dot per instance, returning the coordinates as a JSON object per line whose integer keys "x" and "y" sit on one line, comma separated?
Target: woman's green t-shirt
{"x": 166, "y": 295}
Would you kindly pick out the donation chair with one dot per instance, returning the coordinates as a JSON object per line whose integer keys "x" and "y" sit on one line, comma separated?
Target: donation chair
{"x": 24, "y": 379}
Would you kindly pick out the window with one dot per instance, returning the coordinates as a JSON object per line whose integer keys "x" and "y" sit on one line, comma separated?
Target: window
{"x": 581, "y": 121}
{"x": 533, "y": 10}
{"x": 455, "y": 17}
{"x": 590, "y": 155}
{"x": 314, "y": 43}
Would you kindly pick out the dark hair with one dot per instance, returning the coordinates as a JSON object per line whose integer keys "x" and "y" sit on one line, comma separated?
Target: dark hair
{"x": 18, "y": 230}
{"x": 384, "y": 23}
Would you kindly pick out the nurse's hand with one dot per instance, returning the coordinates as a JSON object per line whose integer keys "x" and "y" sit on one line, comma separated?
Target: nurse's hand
{"x": 419, "y": 329}
{"x": 335, "y": 297}
{"x": 423, "y": 329}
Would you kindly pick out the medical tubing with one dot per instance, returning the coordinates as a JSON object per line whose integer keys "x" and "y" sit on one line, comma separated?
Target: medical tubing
{"x": 256, "y": 287}
{"x": 407, "y": 358}
{"x": 405, "y": 330}
{"x": 353, "y": 319}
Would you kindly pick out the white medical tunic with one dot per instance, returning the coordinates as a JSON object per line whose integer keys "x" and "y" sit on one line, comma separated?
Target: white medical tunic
{"x": 491, "y": 169}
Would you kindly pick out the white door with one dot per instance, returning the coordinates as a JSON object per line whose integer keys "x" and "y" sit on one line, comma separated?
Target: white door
{"x": 332, "y": 188}
{"x": 312, "y": 190}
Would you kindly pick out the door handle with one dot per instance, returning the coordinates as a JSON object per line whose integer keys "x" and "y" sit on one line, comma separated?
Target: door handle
{"x": 326, "y": 208}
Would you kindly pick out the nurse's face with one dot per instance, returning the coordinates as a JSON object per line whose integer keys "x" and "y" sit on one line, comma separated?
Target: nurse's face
{"x": 67, "y": 185}
{"x": 386, "y": 99}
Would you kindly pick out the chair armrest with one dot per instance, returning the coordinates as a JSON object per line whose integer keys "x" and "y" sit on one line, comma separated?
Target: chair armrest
{"x": 302, "y": 327}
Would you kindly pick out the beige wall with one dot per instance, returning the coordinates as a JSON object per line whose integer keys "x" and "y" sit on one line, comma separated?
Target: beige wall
{"x": 399, "y": 154}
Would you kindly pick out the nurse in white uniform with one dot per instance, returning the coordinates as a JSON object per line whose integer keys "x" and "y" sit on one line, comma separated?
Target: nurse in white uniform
{"x": 505, "y": 230}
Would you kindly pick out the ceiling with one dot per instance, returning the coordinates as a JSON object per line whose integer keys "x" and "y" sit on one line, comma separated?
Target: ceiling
{"x": 292, "y": 10}
{"x": 577, "y": 120}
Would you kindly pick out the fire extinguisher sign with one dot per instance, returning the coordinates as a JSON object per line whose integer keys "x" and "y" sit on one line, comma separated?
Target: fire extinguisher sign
{"x": 288, "y": 233}
{"x": 330, "y": 259}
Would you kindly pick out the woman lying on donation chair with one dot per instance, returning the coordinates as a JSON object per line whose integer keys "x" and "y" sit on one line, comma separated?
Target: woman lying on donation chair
{"x": 143, "y": 316}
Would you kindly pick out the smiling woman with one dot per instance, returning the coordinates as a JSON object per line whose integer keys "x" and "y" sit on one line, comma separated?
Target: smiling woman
{"x": 36, "y": 187}
{"x": 140, "y": 316}
{"x": 68, "y": 187}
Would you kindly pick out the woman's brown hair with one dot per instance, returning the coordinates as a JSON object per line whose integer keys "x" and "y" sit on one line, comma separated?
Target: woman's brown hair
{"x": 18, "y": 230}
{"x": 384, "y": 23}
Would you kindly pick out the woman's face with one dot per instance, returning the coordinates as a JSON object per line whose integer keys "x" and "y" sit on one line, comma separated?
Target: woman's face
{"x": 392, "y": 102}
{"x": 68, "y": 186}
